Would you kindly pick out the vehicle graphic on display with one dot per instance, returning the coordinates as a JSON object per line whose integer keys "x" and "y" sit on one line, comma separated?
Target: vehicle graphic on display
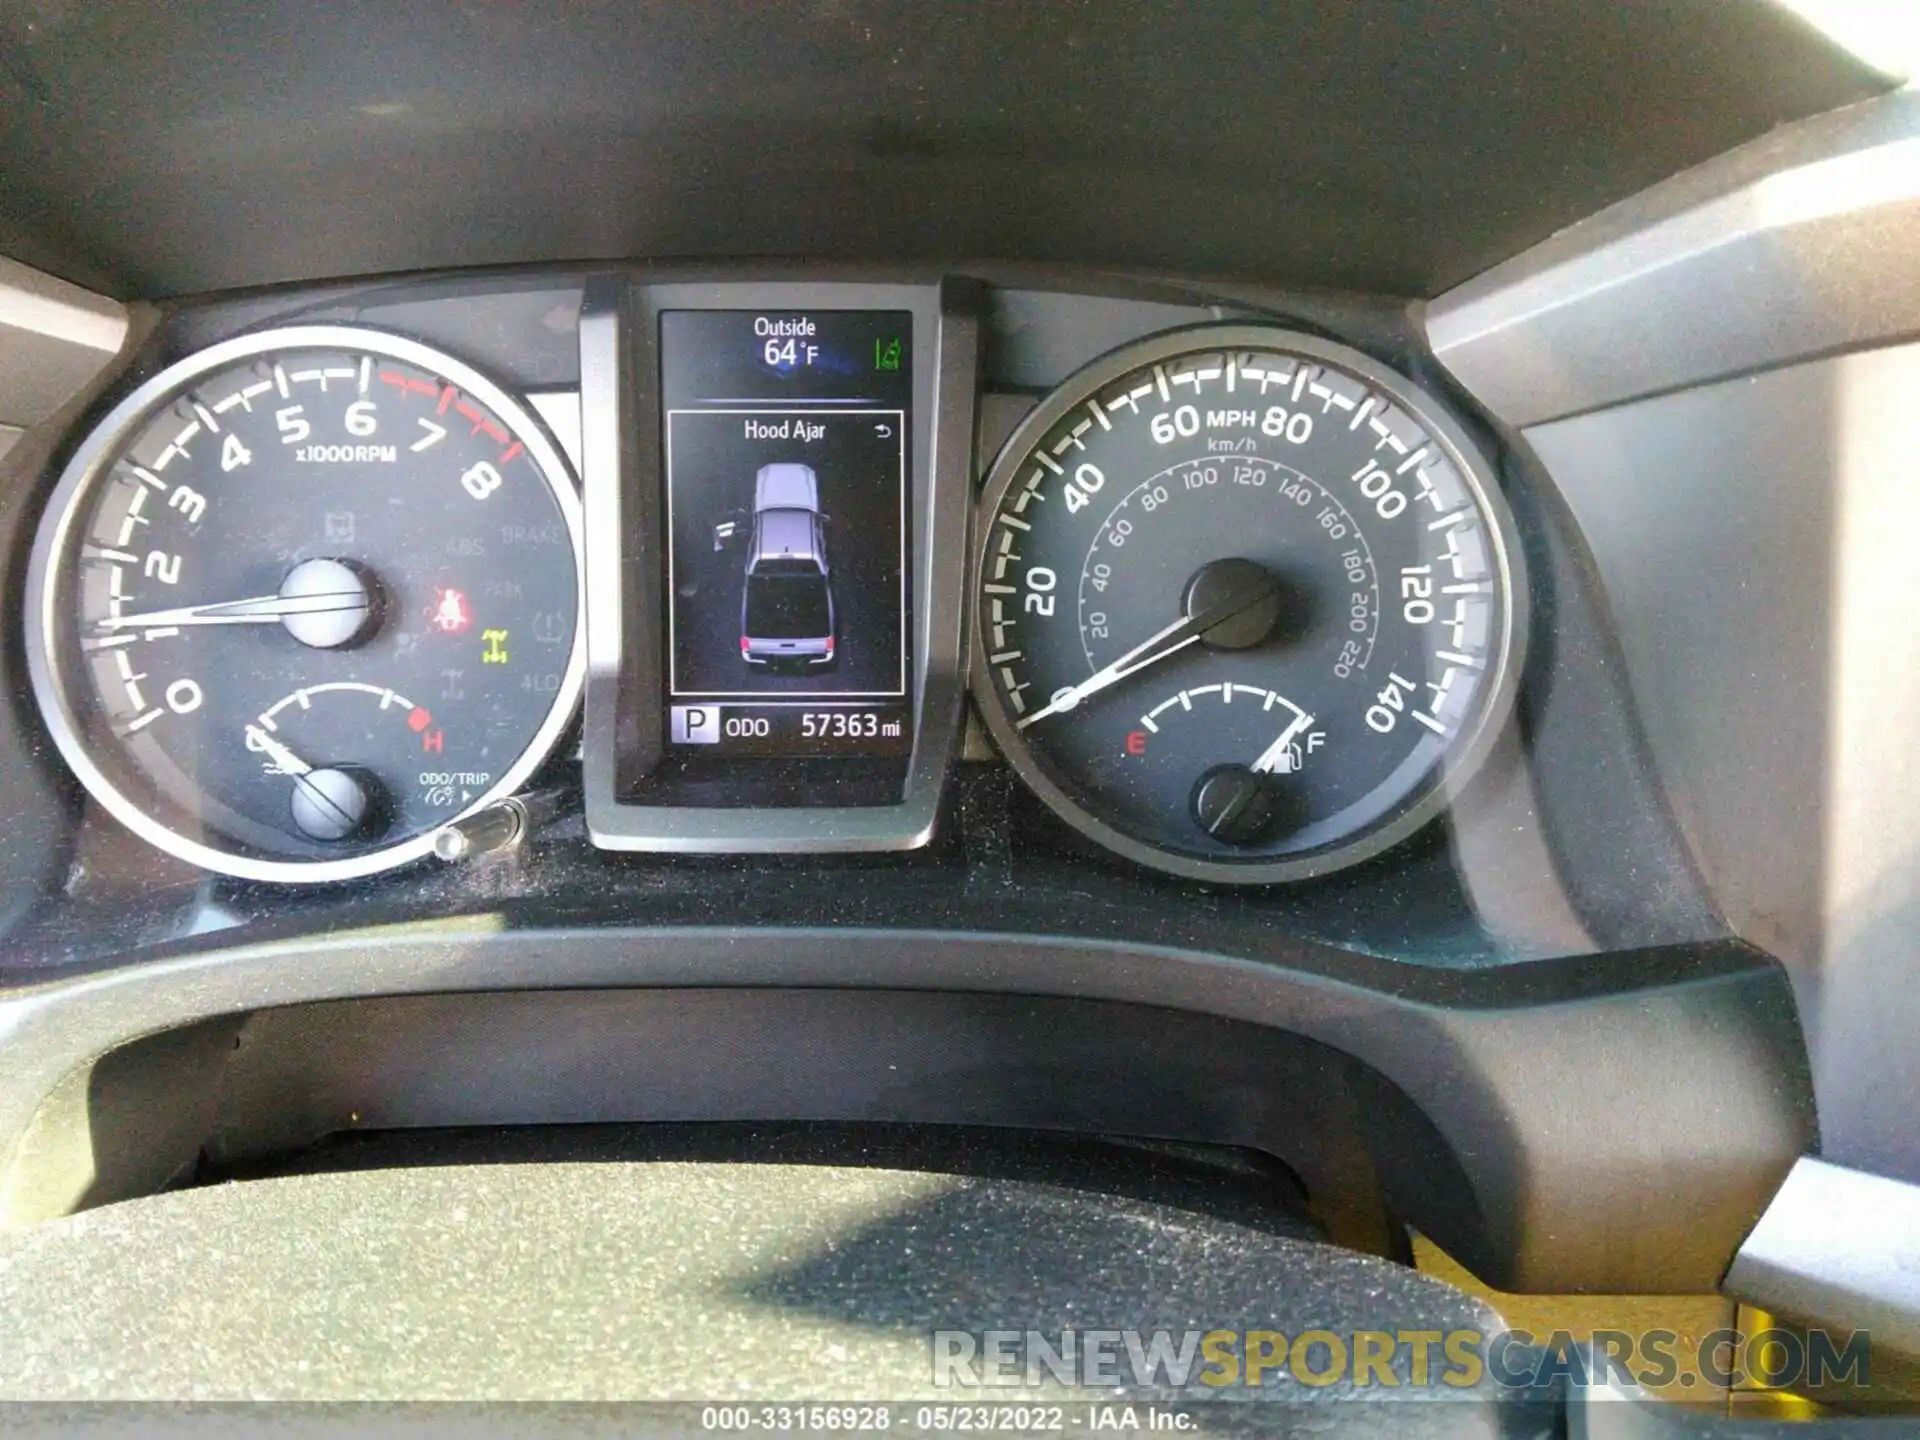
{"x": 786, "y": 605}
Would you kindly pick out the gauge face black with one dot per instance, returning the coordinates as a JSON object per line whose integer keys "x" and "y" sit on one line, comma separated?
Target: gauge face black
{"x": 303, "y": 599}
{"x": 1246, "y": 604}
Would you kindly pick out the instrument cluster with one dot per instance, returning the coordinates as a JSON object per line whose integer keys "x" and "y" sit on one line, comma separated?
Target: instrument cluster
{"x": 1237, "y": 601}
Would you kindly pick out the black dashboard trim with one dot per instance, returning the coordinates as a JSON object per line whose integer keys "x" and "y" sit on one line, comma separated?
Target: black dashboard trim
{"x": 1399, "y": 146}
{"x": 1575, "y": 1118}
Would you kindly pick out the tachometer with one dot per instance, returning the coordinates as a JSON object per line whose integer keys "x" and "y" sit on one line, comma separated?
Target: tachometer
{"x": 1248, "y": 604}
{"x": 305, "y": 597}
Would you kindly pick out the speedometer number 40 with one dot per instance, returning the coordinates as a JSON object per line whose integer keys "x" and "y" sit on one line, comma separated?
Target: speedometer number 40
{"x": 1248, "y": 604}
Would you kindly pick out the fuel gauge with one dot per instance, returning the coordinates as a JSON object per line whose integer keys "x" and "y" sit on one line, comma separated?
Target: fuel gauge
{"x": 306, "y": 597}
{"x": 1248, "y": 604}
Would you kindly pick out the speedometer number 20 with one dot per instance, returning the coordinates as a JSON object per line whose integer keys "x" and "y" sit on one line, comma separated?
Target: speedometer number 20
{"x": 1248, "y": 604}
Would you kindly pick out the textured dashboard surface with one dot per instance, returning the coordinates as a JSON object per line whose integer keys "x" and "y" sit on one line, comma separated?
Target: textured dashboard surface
{"x": 1397, "y": 146}
{"x": 1552, "y": 921}
{"x": 624, "y": 1281}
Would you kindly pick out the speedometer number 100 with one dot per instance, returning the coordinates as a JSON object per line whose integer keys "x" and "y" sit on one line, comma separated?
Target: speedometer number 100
{"x": 1247, "y": 604}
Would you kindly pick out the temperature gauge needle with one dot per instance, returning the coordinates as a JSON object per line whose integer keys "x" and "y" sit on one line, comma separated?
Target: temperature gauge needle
{"x": 278, "y": 751}
{"x": 329, "y": 803}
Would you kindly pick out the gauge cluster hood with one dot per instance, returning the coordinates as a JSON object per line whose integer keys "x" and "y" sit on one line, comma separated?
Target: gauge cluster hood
{"x": 173, "y": 149}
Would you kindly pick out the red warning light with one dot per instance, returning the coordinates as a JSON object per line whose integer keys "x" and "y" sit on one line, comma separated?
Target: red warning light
{"x": 451, "y": 613}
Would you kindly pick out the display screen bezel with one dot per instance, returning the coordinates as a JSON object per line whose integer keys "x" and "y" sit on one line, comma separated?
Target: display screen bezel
{"x": 640, "y": 793}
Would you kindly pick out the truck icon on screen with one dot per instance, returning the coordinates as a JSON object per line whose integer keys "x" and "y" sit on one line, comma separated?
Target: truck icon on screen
{"x": 786, "y": 611}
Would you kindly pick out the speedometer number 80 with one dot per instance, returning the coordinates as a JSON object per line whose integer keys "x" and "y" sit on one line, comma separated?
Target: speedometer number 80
{"x": 1292, "y": 612}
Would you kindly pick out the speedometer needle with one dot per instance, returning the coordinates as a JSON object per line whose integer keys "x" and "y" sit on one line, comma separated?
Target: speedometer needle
{"x": 1177, "y": 636}
{"x": 1220, "y": 592}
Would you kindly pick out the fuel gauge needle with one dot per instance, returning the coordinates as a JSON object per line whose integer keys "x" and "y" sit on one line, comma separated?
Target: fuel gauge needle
{"x": 277, "y": 751}
{"x": 1271, "y": 757}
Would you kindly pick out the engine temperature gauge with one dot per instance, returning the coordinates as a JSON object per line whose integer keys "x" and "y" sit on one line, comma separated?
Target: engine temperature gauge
{"x": 305, "y": 597}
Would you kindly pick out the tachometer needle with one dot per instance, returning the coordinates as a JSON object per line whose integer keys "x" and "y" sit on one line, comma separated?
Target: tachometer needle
{"x": 257, "y": 610}
{"x": 1271, "y": 757}
{"x": 258, "y": 739}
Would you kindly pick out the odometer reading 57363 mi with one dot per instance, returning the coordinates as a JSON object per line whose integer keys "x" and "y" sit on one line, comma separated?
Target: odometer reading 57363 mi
{"x": 1248, "y": 604}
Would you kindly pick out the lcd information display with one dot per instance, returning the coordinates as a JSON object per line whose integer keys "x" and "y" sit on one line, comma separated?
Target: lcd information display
{"x": 786, "y": 437}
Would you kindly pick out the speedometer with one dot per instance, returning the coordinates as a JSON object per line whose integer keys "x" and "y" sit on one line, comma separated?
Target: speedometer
{"x": 1248, "y": 604}
{"x": 305, "y": 597}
